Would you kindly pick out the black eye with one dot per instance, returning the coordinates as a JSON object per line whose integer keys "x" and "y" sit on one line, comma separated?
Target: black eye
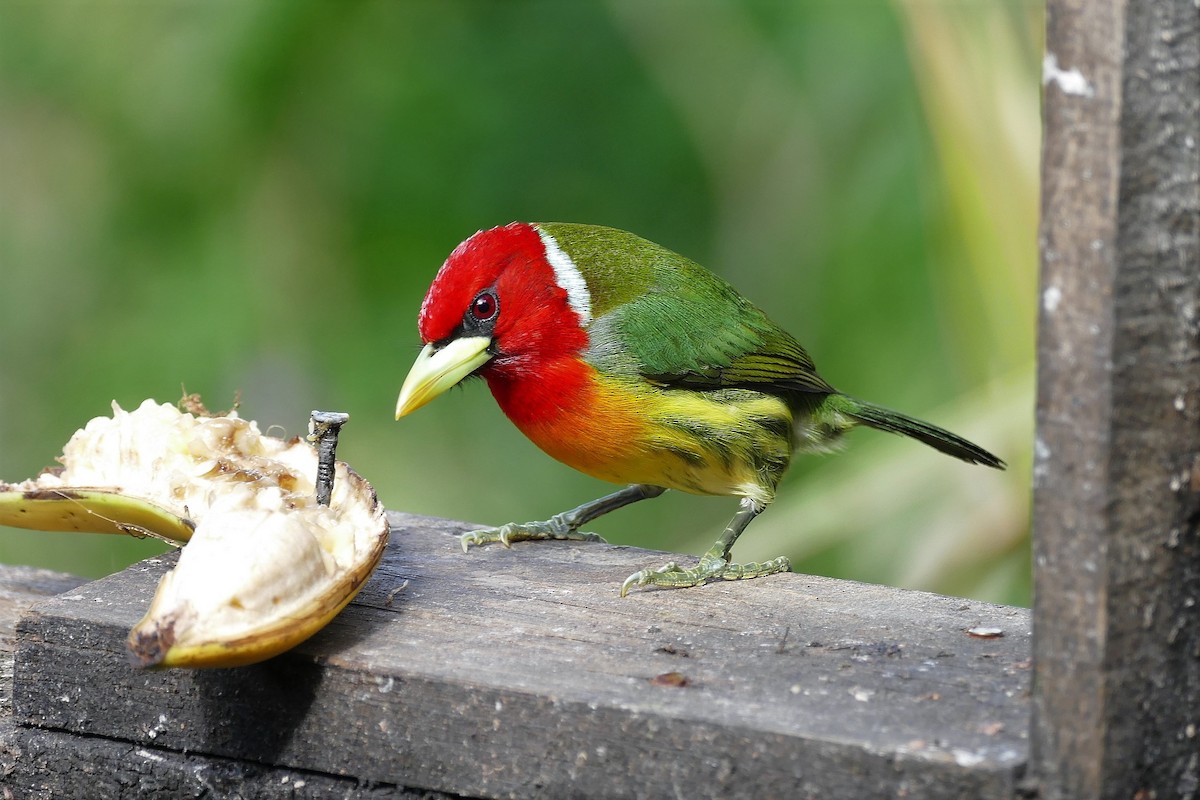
{"x": 484, "y": 306}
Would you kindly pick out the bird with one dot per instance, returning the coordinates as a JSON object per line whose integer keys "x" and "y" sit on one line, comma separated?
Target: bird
{"x": 635, "y": 365}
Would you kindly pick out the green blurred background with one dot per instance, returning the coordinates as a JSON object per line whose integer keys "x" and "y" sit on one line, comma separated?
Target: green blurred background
{"x": 253, "y": 197}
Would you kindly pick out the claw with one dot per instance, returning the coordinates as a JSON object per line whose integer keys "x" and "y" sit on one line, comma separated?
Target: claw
{"x": 482, "y": 536}
{"x": 648, "y": 576}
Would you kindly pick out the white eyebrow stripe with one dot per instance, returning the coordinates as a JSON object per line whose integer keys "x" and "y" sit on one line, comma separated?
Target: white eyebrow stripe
{"x": 568, "y": 277}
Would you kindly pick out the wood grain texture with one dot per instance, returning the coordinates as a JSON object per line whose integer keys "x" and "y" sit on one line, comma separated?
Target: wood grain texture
{"x": 21, "y": 587}
{"x": 53, "y": 765}
{"x": 521, "y": 673}
{"x": 38, "y": 764}
{"x": 1117, "y": 469}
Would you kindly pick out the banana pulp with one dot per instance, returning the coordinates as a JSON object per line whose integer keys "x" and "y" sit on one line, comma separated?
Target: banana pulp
{"x": 265, "y": 566}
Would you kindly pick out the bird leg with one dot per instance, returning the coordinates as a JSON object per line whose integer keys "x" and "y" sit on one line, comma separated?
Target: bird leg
{"x": 565, "y": 525}
{"x": 715, "y": 563}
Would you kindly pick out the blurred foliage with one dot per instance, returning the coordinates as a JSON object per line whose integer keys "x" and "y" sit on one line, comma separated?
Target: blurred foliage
{"x": 252, "y": 197}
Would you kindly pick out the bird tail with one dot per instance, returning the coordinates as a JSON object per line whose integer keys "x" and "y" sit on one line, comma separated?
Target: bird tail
{"x": 885, "y": 419}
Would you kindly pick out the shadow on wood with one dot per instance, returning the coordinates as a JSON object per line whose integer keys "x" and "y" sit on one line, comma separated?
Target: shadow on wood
{"x": 234, "y": 704}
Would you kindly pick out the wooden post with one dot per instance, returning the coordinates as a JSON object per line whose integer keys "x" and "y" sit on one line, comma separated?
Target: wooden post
{"x": 1117, "y": 465}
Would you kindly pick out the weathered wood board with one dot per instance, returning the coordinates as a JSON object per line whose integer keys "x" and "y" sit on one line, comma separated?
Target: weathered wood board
{"x": 20, "y": 587}
{"x": 521, "y": 673}
{"x": 52, "y": 765}
{"x": 37, "y": 764}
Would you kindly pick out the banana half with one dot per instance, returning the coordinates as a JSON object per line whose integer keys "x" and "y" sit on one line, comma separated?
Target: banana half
{"x": 265, "y": 566}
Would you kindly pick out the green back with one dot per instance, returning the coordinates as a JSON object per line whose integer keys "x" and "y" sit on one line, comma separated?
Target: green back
{"x": 661, "y": 316}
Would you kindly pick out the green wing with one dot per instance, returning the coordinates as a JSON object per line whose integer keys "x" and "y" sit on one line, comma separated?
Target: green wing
{"x": 701, "y": 334}
{"x": 666, "y": 318}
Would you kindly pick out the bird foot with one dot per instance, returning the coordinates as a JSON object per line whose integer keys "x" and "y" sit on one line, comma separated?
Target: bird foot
{"x": 673, "y": 576}
{"x": 553, "y": 528}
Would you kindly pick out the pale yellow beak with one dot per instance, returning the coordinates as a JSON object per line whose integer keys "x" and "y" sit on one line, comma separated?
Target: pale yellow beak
{"x": 436, "y": 370}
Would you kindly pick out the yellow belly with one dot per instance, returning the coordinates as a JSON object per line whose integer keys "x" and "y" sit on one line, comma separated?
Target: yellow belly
{"x": 732, "y": 442}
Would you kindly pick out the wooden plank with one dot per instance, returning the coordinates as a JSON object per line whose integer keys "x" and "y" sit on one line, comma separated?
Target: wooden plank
{"x": 521, "y": 673}
{"x": 40, "y": 764}
{"x": 1117, "y": 476}
{"x": 21, "y": 587}
{"x": 52, "y": 765}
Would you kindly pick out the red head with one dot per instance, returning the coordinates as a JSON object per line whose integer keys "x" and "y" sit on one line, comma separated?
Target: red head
{"x": 500, "y": 283}
{"x": 507, "y": 303}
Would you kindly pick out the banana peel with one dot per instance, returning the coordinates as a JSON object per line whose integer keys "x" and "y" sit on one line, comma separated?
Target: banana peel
{"x": 90, "y": 511}
{"x": 265, "y": 566}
